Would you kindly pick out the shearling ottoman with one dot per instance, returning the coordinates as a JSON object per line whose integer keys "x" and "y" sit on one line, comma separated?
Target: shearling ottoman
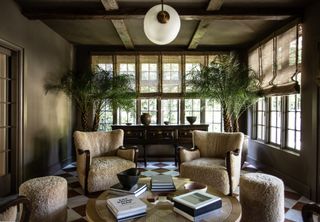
{"x": 48, "y": 197}
{"x": 261, "y": 198}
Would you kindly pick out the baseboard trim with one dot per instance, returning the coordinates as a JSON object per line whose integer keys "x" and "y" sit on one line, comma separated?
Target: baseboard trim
{"x": 296, "y": 185}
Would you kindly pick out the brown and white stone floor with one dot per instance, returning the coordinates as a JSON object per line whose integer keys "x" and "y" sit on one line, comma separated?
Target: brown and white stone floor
{"x": 77, "y": 200}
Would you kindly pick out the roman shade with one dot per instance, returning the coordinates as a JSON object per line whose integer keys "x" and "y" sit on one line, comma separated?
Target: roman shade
{"x": 277, "y": 62}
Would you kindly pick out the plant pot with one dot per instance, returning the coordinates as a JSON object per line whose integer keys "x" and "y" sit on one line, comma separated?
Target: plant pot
{"x": 145, "y": 119}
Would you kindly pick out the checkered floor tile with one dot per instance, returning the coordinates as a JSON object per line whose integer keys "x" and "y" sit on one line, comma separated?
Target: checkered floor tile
{"x": 77, "y": 200}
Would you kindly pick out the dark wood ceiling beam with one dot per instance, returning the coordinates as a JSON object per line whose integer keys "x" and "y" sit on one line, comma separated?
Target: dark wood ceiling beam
{"x": 119, "y": 25}
{"x": 204, "y": 24}
{"x": 110, "y": 4}
{"x": 214, "y": 5}
{"x": 199, "y": 33}
{"x": 123, "y": 33}
{"x": 185, "y": 14}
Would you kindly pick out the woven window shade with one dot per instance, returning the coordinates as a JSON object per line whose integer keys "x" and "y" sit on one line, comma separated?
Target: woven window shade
{"x": 149, "y": 59}
{"x": 253, "y": 61}
{"x": 171, "y": 59}
{"x": 279, "y": 63}
{"x": 267, "y": 71}
{"x": 286, "y": 63}
{"x": 126, "y": 59}
{"x": 195, "y": 59}
{"x": 101, "y": 60}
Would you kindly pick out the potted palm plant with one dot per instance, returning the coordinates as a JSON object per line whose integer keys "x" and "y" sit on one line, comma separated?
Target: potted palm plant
{"x": 232, "y": 84}
{"x": 92, "y": 89}
{"x": 228, "y": 82}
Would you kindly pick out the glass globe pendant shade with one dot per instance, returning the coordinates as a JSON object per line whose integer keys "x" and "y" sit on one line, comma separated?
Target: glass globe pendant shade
{"x": 161, "y": 27}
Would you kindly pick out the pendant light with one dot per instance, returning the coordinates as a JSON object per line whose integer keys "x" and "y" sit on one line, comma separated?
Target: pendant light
{"x": 161, "y": 24}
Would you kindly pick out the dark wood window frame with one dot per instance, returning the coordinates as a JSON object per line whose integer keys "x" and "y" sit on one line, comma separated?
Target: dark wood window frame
{"x": 160, "y": 95}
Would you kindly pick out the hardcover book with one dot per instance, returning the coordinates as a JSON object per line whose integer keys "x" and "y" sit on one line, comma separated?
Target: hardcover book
{"x": 161, "y": 180}
{"x": 126, "y": 206}
{"x": 189, "y": 217}
{"x": 196, "y": 199}
{"x": 136, "y": 190}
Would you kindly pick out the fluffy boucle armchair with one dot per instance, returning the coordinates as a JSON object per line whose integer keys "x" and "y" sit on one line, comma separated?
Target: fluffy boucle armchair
{"x": 8, "y": 209}
{"x": 215, "y": 160}
{"x": 100, "y": 156}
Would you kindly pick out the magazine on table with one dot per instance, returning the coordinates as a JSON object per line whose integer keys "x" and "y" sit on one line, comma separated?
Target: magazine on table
{"x": 196, "y": 199}
{"x": 126, "y": 205}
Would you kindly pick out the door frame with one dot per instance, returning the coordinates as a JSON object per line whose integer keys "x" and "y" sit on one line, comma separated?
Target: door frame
{"x": 17, "y": 65}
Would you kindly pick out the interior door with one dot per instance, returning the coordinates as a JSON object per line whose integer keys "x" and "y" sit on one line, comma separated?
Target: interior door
{"x": 7, "y": 123}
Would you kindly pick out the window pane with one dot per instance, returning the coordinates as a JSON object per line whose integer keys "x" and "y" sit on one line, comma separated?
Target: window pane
{"x": 291, "y": 120}
{"x": 127, "y": 116}
{"x": 298, "y": 138}
{"x": 150, "y": 106}
{"x": 171, "y": 78}
{"x": 213, "y": 116}
{"x": 170, "y": 110}
{"x": 149, "y": 74}
{"x": 192, "y": 108}
{"x": 298, "y": 121}
{"x": 273, "y": 119}
{"x": 290, "y": 138}
{"x": 106, "y": 118}
{"x": 273, "y": 135}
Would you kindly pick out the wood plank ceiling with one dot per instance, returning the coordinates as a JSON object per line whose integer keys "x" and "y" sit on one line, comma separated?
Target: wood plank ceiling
{"x": 205, "y": 23}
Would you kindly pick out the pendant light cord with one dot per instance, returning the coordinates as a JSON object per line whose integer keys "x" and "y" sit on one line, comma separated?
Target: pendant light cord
{"x": 161, "y": 5}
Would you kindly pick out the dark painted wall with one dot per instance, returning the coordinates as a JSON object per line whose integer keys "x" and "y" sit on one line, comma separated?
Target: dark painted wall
{"x": 47, "y": 117}
{"x": 299, "y": 171}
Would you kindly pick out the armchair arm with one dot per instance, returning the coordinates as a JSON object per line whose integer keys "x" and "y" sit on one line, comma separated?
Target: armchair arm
{"x": 233, "y": 164}
{"x": 128, "y": 153}
{"x": 15, "y": 202}
{"x": 187, "y": 154}
{"x": 85, "y": 159}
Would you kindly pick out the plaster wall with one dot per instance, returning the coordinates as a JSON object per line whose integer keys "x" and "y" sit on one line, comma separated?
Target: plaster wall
{"x": 299, "y": 171}
{"x": 47, "y": 122}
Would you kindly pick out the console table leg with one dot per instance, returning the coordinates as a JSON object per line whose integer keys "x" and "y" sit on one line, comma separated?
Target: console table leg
{"x": 175, "y": 155}
{"x": 144, "y": 156}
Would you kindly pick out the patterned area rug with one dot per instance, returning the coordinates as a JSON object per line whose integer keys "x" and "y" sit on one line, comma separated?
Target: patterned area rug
{"x": 77, "y": 200}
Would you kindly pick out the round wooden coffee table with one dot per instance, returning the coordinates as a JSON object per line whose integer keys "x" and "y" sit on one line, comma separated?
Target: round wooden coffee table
{"x": 162, "y": 210}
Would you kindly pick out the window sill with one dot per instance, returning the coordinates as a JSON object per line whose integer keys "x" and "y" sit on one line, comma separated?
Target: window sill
{"x": 268, "y": 145}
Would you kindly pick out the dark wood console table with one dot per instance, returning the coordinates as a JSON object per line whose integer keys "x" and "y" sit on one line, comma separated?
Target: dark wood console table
{"x": 159, "y": 134}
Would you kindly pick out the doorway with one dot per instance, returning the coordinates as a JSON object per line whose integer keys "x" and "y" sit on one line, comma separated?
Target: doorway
{"x": 10, "y": 119}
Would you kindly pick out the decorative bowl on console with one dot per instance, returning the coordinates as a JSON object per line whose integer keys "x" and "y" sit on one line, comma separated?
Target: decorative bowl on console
{"x": 191, "y": 119}
{"x": 166, "y": 122}
{"x": 129, "y": 177}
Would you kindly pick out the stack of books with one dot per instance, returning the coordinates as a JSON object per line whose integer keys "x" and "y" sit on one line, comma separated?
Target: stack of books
{"x": 136, "y": 190}
{"x": 127, "y": 207}
{"x": 196, "y": 205}
{"x": 162, "y": 183}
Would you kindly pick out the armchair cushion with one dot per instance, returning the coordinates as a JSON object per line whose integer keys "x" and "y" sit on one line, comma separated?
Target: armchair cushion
{"x": 213, "y": 172}
{"x": 103, "y": 172}
{"x": 188, "y": 155}
{"x": 99, "y": 143}
{"x": 9, "y": 215}
{"x": 127, "y": 154}
{"x": 217, "y": 145}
